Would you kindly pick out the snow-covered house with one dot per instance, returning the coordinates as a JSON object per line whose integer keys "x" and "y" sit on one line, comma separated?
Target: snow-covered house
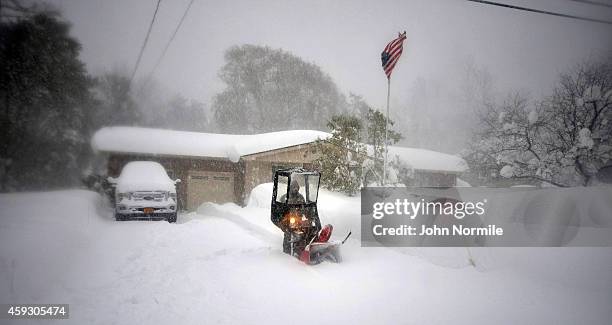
{"x": 429, "y": 168}
{"x": 212, "y": 167}
{"x": 226, "y": 167}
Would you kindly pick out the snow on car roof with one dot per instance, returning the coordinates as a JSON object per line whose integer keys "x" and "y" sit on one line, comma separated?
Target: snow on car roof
{"x": 144, "y": 175}
{"x": 234, "y": 146}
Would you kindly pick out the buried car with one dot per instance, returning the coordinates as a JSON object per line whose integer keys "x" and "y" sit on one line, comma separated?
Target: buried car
{"x": 143, "y": 190}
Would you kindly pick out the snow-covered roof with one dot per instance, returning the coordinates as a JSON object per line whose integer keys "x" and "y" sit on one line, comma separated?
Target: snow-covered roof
{"x": 197, "y": 144}
{"x": 424, "y": 159}
{"x": 233, "y": 146}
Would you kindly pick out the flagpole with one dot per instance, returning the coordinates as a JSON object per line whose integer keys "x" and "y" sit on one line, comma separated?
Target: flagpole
{"x": 389, "y": 58}
{"x": 386, "y": 132}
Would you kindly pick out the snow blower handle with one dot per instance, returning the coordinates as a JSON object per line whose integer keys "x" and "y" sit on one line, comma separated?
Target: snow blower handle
{"x": 347, "y": 237}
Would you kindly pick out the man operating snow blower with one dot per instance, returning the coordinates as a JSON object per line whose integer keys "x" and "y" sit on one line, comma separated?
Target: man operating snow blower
{"x": 294, "y": 211}
{"x": 294, "y": 195}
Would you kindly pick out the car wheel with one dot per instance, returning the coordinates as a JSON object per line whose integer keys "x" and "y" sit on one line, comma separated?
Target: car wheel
{"x": 119, "y": 217}
{"x": 172, "y": 218}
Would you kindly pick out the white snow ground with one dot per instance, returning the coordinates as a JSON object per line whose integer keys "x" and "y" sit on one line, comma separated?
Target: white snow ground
{"x": 224, "y": 264}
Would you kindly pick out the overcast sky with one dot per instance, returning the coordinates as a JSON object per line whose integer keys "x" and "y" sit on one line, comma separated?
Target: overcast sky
{"x": 520, "y": 49}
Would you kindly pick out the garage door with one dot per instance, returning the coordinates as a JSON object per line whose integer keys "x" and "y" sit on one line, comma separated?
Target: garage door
{"x": 217, "y": 187}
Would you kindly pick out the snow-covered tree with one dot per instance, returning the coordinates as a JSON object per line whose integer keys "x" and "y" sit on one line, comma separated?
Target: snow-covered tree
{"x": 115, "y": 101}
{"x": 563, "y": 140}
{"x": 358, "y": 107}
{"x": 376, "y": 138}
{"x": 44, "y": 103}
{"x": 269, "y": 90}
{"x": 340, "y": 158}
{"x": 15, "y": 10}
{"x": 184, "y": 114}
{"x": 577, "y": 123}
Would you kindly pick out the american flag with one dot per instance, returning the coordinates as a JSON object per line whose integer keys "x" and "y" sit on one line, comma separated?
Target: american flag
{"x": 392, "y": 53}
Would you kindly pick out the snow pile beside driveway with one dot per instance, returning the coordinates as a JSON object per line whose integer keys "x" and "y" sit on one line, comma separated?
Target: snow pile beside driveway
{"x": 341, "y": 211}
{"x": 261, "y": 196}
{"x": 224, "y": 264}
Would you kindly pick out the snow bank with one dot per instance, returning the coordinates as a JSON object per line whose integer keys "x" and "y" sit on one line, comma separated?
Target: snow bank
{"x": 41, "y": 236}
{"x": 221, "y": 266}
{"x": 261, "y": 196}
{"x": 196, "y": 144}
{"x": 342, "y": 211}
{"x": 462, "y": 183}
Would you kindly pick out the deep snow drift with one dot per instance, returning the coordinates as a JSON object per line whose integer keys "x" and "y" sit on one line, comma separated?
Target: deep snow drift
{"x": 224, "y": 264}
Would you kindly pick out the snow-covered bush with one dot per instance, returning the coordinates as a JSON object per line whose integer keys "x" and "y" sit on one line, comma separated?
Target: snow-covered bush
{"x": 375, "y": 137}
{"x": 563, "y": 140}
{"x": 507, "y": 171}
{"x": 340, "y": 158}
{"x": 400, "y": 172}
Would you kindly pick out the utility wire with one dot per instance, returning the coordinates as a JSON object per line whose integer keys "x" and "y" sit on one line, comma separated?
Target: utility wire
{"x": 144, "y": 44}
{"x": 161, "y": 57}
{"x": 542, "y": 11}
{"x": 594, "y": 3}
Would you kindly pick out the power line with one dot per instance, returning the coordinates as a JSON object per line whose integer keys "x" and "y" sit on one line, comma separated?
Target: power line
{"x": 594, "y": 3}
{"x": 144, "y": 44}
{"x": 542, "y": 11}
{"x": 161, "y": 57}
